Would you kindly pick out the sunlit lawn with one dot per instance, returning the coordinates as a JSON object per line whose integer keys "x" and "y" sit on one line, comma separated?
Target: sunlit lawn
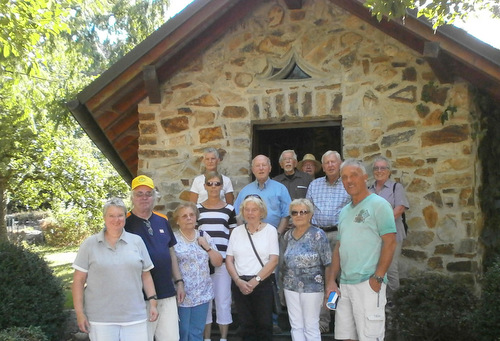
{"x": 60, "y": 260}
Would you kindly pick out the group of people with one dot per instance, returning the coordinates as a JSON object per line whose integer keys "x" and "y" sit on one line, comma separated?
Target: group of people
{"x": 138, "y": 279}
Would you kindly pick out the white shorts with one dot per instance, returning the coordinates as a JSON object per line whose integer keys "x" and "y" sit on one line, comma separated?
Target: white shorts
{"x": 116, "y": 332}
{"x": 360, "y": 313}
{"x": 166, "y": 327}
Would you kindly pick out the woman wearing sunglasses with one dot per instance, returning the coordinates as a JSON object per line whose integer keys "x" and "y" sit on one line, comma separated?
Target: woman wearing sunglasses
{"x": 302, "y": 266}
{"x": 252, "y": 256}
{"x": 217, "y": 219}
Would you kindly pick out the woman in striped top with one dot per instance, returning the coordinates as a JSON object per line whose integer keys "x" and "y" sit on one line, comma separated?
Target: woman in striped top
{"x": 217, "y": 218}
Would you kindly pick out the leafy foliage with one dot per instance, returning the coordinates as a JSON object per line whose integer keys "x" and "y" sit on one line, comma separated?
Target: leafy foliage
{"x": 439, "y": 12}
{"x": 23, "y": 334}
{"x": 487, "y": 316}
{"x": 29, "y": 295}
{"x": 434, "y": 307}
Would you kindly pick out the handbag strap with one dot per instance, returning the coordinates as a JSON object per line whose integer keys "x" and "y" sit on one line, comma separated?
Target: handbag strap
{"x": 253, "y": 246}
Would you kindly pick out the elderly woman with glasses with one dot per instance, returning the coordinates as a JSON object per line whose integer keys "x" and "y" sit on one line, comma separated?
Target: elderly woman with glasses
{"x": 306, "y": 254}
{"x": 111, "y": 272}
{"x": 194, "y": 252}
{"x": 395, "y": 194}
{"x": 217, "y": 219}
{"x": 155, "y": 231}
{"x": 252, "y": 256}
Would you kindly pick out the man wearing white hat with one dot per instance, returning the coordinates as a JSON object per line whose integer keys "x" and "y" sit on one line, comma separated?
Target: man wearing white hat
{"x": 309, "y": 165}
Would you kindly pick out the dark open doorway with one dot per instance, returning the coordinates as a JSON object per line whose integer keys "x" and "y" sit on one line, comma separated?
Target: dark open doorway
{"x": 311, "y": 137}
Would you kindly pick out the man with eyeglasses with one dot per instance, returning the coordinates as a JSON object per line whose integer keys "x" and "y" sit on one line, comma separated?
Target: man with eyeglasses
{"x": 295, "y": 181}
{"x": 155, "y": 230}
{"x": 328, "y": 196}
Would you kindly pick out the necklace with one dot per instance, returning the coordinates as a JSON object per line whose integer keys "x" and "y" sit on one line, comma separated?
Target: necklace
{"x": 186, "y": 238}
{"x": 256, "y": 230}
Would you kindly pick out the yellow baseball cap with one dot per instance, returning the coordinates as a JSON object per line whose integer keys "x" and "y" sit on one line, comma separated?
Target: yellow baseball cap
{"x": 143, "y": 180}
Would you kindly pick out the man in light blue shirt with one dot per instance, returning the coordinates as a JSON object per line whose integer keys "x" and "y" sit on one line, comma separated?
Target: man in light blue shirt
{"x": 274, "y": 194}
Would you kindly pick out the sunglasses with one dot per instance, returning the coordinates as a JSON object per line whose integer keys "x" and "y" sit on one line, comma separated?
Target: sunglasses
{"x": 380, "y": 168}
{"x": 213, "y": 183}
{"x": 295, "y": 213}
{"x": 253, "y": 196}
{"x": 148, "y": 225}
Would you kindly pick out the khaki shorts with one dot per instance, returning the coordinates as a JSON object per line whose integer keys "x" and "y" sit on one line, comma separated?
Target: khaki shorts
{"x": 360, "y": 313}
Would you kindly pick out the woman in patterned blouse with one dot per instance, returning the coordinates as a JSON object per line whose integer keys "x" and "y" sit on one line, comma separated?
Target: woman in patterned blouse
{"x": 306, "y": 254}
{"x": 193, "y": 253}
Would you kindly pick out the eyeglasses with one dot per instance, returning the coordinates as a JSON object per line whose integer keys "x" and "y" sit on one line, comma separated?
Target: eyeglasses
{"x": 148, "y": 225}
{"x": 188, "y": 215}
{"x": 143, "y": 194}
{"x": 213, "y": 183}
{"x": 254, "y": 196}
{"x": 295, "y": 213}
{"x": 375, "y": 169}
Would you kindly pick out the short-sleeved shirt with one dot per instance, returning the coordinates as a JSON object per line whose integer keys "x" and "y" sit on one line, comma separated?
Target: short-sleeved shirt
{"x": 275, "y": 196}
{"x": 305, "y": 260}
{"x": 158, "y": 245}
{"x": 198, "y": 187}
{"x": 328, "y": 199}
{"x": 245, "y": 260}
{"x": 217, "y": 222}
{"x": 396, "y": 197}
{"x": 114, "y": 278}
{"x": 360, "y": 230}
{"x": 193, "y": 264}
{"x": 296, "y": 184}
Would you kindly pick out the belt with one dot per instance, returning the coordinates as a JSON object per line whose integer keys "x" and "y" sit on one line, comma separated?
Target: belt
{"x": 329, "y": 228}
{"x": 247, "y": 278}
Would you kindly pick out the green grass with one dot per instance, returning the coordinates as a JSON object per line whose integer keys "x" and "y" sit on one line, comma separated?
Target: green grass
{"x": 60, "y": 260}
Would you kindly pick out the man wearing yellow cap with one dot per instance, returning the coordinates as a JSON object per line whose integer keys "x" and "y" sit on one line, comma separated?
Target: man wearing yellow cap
{"x": 155, "y": 230}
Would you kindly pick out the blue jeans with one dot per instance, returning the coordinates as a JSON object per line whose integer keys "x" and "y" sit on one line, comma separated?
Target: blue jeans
{"x": 192, "y": 322}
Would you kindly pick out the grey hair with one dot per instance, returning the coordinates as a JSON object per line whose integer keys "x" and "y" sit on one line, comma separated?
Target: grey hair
{"x": 187, "y": 204}
{"x": 258, "y": 201}
{"x": 355, "y": 163}
{"x": 214, "y": 174}
{"x": 211, "y": 150}
{"x": 328, "y": 152}
{"x": 268, "y": 160}
{"x": 301, "y": 201}
{"x": 114, "y": 202}
{"x": 383, "y": 158}
{"x": 155, "y": 196}
{"x": 288, "y": 151}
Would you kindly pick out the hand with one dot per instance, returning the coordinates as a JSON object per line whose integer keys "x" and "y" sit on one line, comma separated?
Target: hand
{"x": 153, "y": 313}
{"x": 83, "y": 323}
{"x": 203, "y": 243}
{"x": 245, "y": 287}
{"x": 374, "y": 284}
{"x": 181, "y": 293}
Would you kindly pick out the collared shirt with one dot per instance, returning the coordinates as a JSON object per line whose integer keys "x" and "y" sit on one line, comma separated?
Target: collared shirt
{"x": 114, "y": 278}
{"x": 396, "y": 197}
{"x": 158, "y": 244}
{"x": 296, "y": 184}
{"x": 328, "y": 199}
{"x": 275, "y": 196}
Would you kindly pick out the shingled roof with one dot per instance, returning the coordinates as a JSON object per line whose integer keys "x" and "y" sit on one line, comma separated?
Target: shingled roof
{"x": 107, "y": 109}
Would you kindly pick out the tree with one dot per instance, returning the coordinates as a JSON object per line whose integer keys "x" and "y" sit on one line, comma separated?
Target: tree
{"x": 437, "y": 11}
{"x": 50, "y": 51}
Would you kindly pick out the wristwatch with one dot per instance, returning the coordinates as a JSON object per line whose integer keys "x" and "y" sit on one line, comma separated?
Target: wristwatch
{"x": 378, "y": 278}
{"x": 258, "y": 279}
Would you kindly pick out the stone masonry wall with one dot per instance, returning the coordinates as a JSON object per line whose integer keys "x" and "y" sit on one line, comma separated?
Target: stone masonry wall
{"x": 386, "y": 96}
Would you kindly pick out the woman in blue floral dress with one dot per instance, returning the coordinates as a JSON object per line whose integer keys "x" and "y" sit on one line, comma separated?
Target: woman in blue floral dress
{"x": 193, "y": 253}
{"x": 306, "y": 254}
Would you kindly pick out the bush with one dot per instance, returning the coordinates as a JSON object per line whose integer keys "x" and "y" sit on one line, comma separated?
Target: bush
{"x": 23, "y": 334}
{"x": 434, "y": 307}
{"x": 487, "y": 316}
{"x": 29, "y": 294}
{"x": 69, "y": 226}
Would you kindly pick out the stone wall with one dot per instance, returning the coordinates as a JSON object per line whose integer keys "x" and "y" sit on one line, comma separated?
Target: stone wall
{"x": 385, "y": 95}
